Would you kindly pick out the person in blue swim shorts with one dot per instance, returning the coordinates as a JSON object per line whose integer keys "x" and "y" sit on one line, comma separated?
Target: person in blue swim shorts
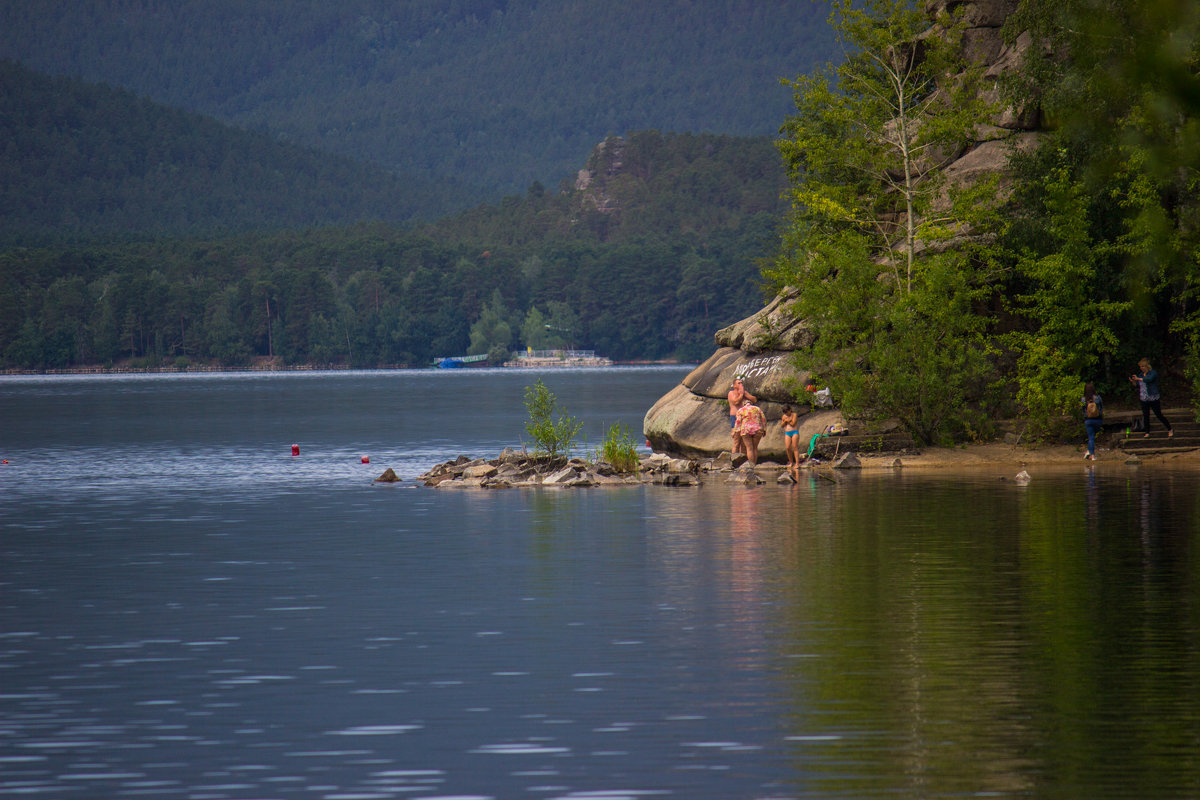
{"x": 790, "y": 424}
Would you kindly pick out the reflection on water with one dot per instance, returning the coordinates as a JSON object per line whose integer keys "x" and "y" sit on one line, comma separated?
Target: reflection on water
{"x": 186, "y": 611}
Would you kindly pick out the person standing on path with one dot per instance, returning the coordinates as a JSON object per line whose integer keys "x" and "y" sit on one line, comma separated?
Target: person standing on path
{"x": 1093, "y": 419}
{"x": 1150, "y": 396}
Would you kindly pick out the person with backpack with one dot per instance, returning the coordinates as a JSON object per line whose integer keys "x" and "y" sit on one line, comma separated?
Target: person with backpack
{"x": 1093, "y": 418}
{"x": 1150, "y": 396}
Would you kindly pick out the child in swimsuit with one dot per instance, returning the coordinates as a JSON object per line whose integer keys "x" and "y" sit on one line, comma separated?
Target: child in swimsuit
{"x": 790, "y": 432}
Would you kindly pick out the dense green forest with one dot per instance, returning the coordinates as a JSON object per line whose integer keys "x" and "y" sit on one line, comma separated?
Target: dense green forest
{"x": 1088, "y": 262}
{"x": 659, "y": 249}
{"x": 494, "y": 94}
{"x": 80, "y": 161}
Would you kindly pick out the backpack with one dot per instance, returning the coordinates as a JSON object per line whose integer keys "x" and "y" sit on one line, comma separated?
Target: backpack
{"x": 1093, "y": 409}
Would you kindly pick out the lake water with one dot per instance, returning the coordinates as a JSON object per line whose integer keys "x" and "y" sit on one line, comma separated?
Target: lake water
{"x": 186, "y": 610}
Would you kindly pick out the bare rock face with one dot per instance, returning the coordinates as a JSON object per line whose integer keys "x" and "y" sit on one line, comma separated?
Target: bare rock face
{"x": 771, "y": 330}
{"x": 692, "y": 420}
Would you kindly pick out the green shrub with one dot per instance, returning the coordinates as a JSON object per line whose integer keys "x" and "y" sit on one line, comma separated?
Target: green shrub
{"x": 619, "y": 450}
{"x": 551, "y": 436}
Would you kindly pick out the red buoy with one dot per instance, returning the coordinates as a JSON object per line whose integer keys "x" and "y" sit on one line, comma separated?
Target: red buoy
{"x": 295, "y": 449}
{"x": 366, "y": 459}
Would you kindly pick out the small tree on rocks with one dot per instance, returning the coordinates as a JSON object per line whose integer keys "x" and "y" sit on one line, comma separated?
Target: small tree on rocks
{"x": 551, "y": 435}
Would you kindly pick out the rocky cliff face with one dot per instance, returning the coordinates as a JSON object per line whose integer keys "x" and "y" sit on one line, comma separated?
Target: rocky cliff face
{"x": 692, "y": 420}
{"x": 591, "y": 183}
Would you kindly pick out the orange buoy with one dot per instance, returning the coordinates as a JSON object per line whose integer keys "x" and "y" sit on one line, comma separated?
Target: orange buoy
{"x": 295, "y": 449}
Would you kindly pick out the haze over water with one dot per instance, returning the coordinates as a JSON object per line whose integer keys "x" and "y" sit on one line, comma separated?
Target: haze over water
{"x": 186, "y": 610}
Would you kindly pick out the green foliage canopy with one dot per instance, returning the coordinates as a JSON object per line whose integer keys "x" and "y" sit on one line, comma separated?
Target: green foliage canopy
{"x": 1106, "y": 222}
{"x": 897, "y": 330}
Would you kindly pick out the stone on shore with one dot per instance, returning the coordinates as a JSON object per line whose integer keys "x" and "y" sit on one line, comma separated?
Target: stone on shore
{"x": 519, "y": 469}
{"x": 389, "y": 476}
{"x": 847, "y": 461}
{"x": 484, "y": 470}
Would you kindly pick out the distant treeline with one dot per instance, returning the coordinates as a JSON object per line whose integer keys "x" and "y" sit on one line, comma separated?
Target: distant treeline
{"x": 83, "y": 162}
{"x": 661, "y": 248}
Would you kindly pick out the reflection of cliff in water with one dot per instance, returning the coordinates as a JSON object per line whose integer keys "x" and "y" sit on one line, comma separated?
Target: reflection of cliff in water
{"x": 1017, "y": 648}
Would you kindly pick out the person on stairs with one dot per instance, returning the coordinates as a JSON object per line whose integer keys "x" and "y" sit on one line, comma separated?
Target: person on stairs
{"x": 1150, "y": 396}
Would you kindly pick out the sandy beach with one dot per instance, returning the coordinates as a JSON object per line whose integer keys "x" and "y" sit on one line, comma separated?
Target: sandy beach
{"x": 1001, "y": 456}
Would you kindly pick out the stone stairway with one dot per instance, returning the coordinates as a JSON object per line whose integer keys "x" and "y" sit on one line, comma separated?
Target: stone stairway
{"x": 1183, "y": 421}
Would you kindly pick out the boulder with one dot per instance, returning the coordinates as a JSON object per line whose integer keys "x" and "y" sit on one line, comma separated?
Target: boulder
{"x": 847, "y": 461}
{"x": 725, "y": 461}
{"x": 692, "y": 420}
{"x": 655, "y": 462}
{"x": 744, "y": 475}
{"x": 771, "y": 329}
{"x": 612, "y": 479}
{"x": 512, "y": 455}
{"x": 563, "y": 477}
{"x": 388, "y": 476}
{"x": 687, "y": 424}
{"x": 483, "y": 470}
{"x": 461, "y": 483}
{"x": 583, "y": 479}
{"x": 677, "y": 479}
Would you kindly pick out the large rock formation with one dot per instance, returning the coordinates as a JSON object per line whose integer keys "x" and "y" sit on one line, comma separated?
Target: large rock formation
{"x": 692, "y": 419}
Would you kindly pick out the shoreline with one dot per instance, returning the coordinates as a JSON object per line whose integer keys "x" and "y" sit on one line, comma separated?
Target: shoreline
{"x": 197, "y": 368}
{"x": 998, "y": 455}
{"x": 519, "y": 469}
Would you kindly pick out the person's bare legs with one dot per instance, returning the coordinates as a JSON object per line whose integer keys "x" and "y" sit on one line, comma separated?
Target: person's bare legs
{"x": 751, "y": 443}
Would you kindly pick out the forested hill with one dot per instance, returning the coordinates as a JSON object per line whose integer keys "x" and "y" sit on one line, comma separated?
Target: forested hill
{"x": 648, "y": 185}
{"x": 657, "y": 246}
{"x": 495, "y": 93}
{"x": 87, "y": 162}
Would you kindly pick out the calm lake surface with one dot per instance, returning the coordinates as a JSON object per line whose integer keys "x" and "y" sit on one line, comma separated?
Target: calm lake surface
{"x": 186, "y": 610}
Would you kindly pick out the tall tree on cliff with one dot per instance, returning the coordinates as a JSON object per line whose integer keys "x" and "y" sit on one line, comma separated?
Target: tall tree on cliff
{"x": 893, "y": 308}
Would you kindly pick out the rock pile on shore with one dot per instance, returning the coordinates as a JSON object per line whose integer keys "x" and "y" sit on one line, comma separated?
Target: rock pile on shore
{"x": 518, "y": 468}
